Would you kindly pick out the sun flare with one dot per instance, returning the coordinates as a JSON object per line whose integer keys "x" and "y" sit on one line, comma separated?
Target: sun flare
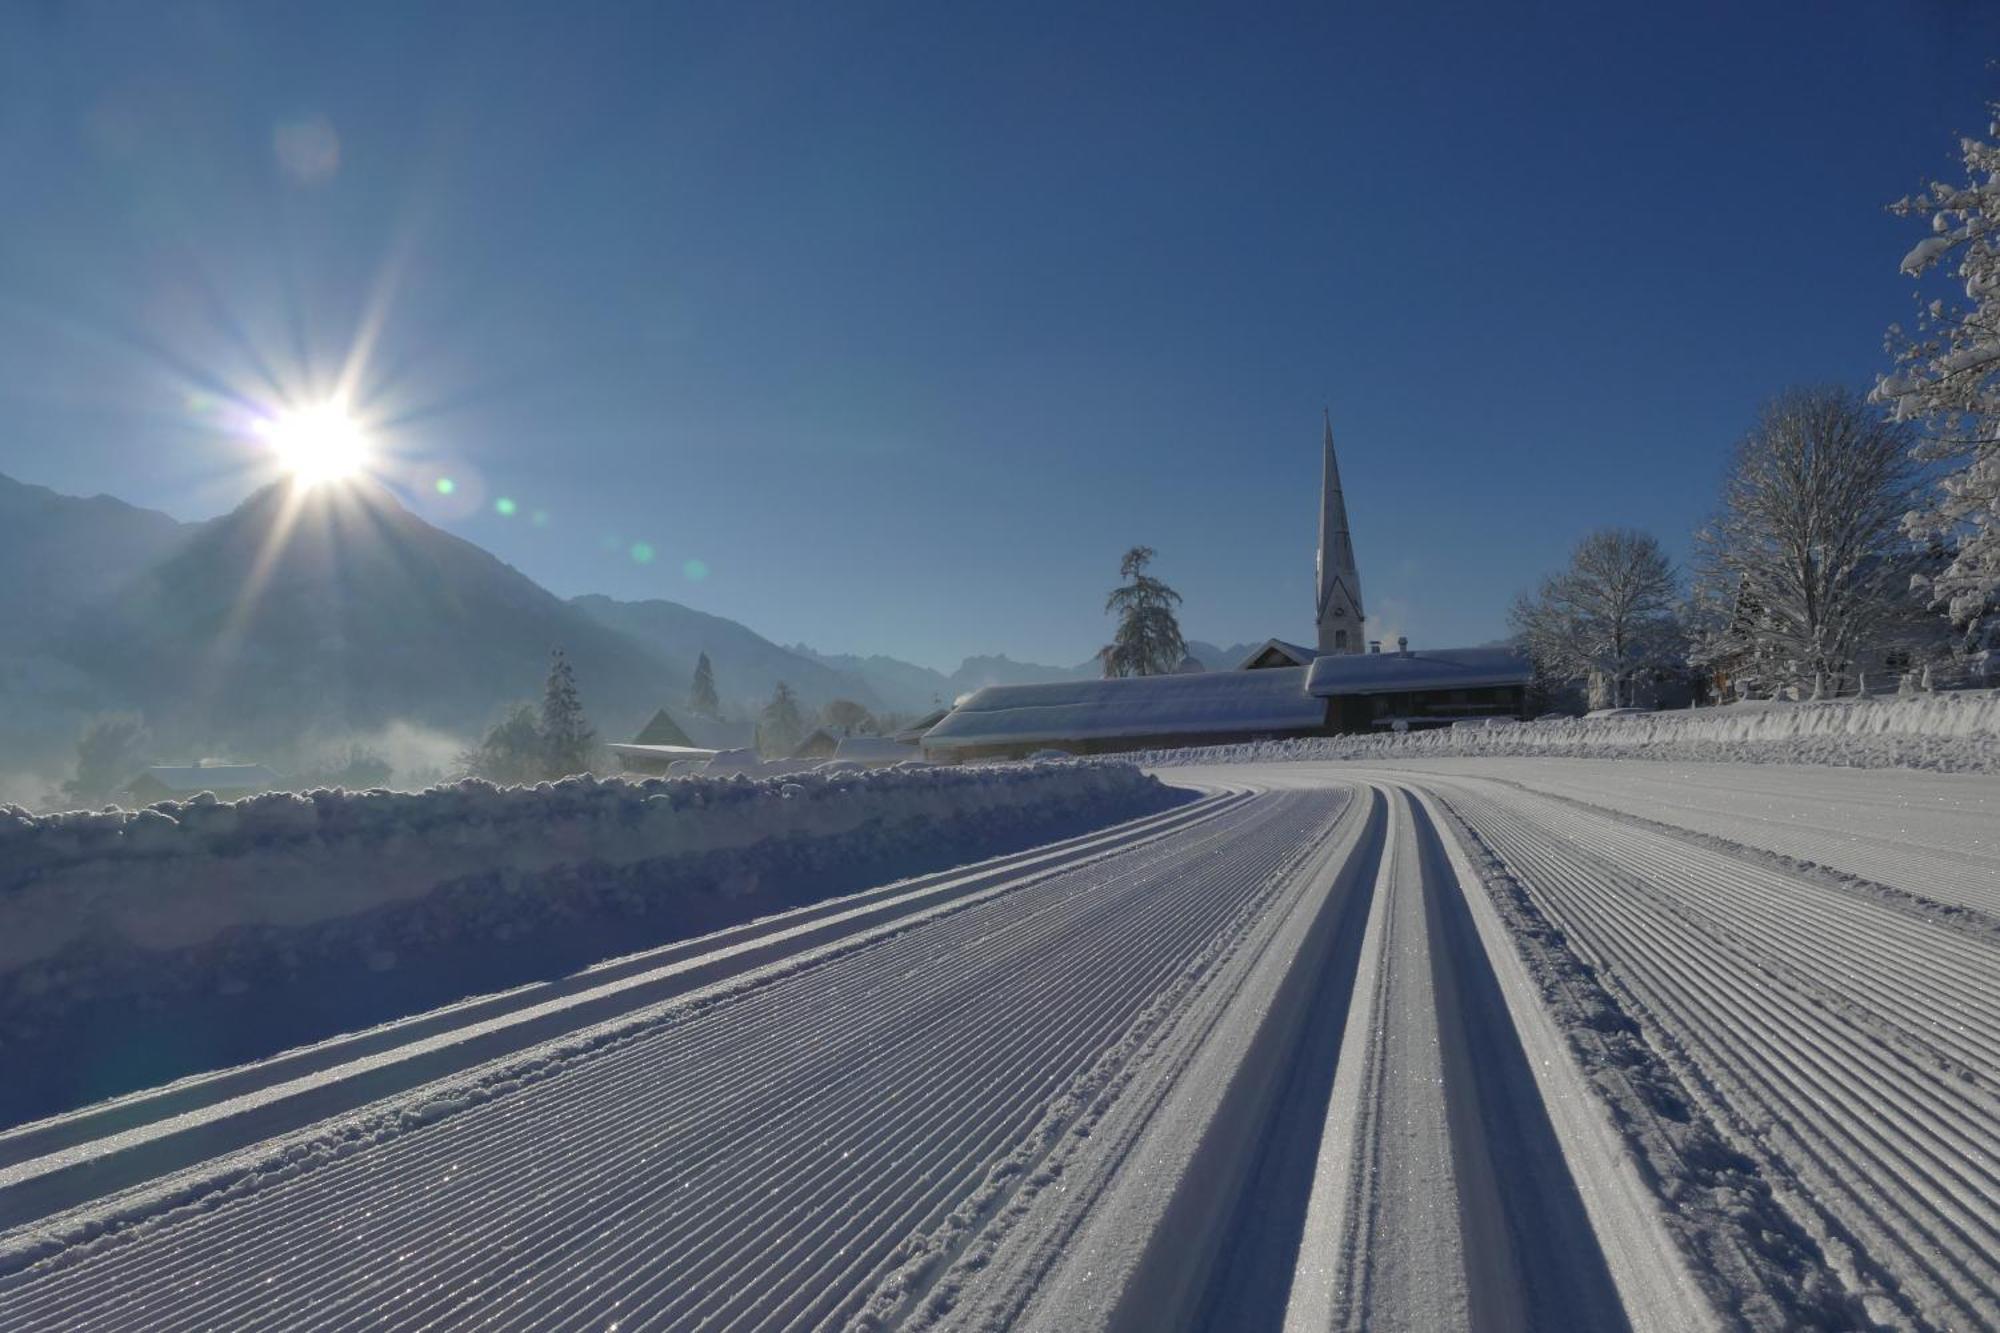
{"x": 318, "y": 444}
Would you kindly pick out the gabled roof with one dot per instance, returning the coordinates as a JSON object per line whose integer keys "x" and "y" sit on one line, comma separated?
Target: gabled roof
{"x": 662, "y": 730}
{"x": 1292, "y": 654}
{"x": 1075, "y": 710}
{"x": 915, "y": 731}
{"x": 193, "y": 778}
{"x": 661, "y": 753}
{"x": 1437, "y": 669}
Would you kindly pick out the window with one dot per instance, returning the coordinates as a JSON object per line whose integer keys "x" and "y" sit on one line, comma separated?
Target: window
{"x": 1340, "y": 638}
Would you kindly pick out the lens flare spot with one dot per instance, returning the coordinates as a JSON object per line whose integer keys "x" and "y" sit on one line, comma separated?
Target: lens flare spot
{"x": 317, "y": 444}
{"x": 694, "y": 570}
{"x": 445, "y": 485}
{"x": 504, "y": 507}
{"x": 540, "y": 518}
{"x": 642, "y": 553}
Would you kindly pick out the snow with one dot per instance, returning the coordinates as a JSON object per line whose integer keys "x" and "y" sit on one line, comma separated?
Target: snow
{"x": 1216, "y": 701}
{"x": 185, "y": 900}
{"x": 1398, "y": 1048}
{"x": 1955, "y": 732}
{"x": 875, "y": 750}
{"x": 1438, "y": 669}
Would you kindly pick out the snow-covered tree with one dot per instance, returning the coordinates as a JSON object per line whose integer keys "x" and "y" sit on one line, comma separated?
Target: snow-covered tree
{"x": 1148, "y": 640}
{"x": 781, "y": 727}
{"x": 1947, "y": 378}
{"x": 844, "y": 717}
{"x": 512, "y": 752}
{"x": 1609, "y": 615}
{"x": 567, "y": 738}
{"x": 109, "y": 754}
{"x": 1806, "y": 566}
{"x": 702, "y": 699}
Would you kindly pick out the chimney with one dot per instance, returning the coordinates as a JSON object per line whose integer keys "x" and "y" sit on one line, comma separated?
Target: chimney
{"x": 1402, "y": 645}
{"x": 1374, "y": 645}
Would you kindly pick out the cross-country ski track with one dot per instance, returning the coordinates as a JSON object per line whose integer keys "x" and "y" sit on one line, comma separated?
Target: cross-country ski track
{"x": 1471, "y": 1044}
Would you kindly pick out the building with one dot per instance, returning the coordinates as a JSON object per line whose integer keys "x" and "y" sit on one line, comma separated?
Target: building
{"x": 1281, "y": 690}
{"x": 177, "y": 782}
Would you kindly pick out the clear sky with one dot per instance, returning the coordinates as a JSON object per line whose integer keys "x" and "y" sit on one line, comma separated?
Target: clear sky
{"x": 888, "y": 327}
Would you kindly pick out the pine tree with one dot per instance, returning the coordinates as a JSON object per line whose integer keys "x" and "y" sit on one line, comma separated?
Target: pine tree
{"x": 702, "y": 699}
{"x": 107, "y": 754}
{"x": 781, "y": 727}
{"x": 567, "y": 740}
{"x": 1148, "y": 640}
{"x": 512, "y": 753}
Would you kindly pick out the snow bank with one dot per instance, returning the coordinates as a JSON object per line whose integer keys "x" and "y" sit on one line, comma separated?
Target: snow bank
{"x": 1957, "y": 732}
{"x": 217, "y": 897}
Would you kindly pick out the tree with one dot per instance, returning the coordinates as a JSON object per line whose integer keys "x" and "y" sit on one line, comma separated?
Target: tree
{"x": 1947, "y": 378}
{"x": 1148, "y": 640}
{"x": 1609, "y": 615}
{"x": 702, "y": 699}
{"x": 844, "y": 717}
{"x": 109, "y": 753}
{"x": 1807, "y": 552}
{"x": 780, "y": 728}
{"x": 358, "y": 769}
{"x": 512, "y": 753}
{"x": 567, "y": 738}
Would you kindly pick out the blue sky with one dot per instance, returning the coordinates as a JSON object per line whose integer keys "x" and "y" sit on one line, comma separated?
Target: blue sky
{"x": 903, "y": 322}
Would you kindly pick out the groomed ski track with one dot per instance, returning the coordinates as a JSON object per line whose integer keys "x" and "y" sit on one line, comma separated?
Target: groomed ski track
{"x": 1324, "y": 1049}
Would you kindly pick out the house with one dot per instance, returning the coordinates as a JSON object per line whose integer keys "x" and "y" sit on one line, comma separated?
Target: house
{"x": 819, "y": 745}
{"x": 1420, "y": 689}
{"x": 656, "y": 761}
{"x": 177, "y": 782}
{"x": 914, "y": 733}
{"x": 1128, "y": 713}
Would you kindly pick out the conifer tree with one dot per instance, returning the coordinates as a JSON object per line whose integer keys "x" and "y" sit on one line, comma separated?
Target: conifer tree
{"x": 702, "y": 699}
{"x": 1148, "y": 640}
{"x": 781, "y": 727}
{"x": 567, "y": 739}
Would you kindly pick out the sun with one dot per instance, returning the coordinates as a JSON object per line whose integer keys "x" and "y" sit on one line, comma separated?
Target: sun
{"x": 318, "y": 444}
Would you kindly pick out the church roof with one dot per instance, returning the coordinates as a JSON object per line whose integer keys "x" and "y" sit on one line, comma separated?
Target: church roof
{"x": 1438, "y": 669}
{"x": 1298, "y": 654}
{"x": 1075, "y": 710}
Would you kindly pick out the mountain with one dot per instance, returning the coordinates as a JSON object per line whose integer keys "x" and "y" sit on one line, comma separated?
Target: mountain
{"x": 338, "y": 609}
{"x": 910, "y": 688}
{"x": 59, "y": 553}
{"x": 747, "y": 665}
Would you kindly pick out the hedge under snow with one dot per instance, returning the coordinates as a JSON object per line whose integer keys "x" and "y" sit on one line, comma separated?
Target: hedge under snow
{"x": 1954, "y": 733}
{"x": 217, "y": 892}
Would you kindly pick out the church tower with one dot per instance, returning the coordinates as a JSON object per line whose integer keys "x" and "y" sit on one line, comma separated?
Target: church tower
{"x": 1339, "y": 583}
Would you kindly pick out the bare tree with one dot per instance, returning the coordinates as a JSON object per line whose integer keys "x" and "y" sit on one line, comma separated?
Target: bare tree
{"x": 1808, "y": 546}
{"x": 1610, "y": 614}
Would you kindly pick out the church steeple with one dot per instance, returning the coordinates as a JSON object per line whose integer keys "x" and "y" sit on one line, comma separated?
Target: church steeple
{"x": 1338, "y": 604}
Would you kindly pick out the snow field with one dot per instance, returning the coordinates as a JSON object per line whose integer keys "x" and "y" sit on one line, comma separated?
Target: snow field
{"x": 1847, "y": 1049}
{"x": 1331, "y": 1047}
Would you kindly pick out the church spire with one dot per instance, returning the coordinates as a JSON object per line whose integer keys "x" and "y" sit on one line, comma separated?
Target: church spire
{"x": 1338, "y": 601}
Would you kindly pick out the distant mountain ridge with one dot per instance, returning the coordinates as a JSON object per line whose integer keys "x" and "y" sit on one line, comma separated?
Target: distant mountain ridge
{"x": 296, "y": 616}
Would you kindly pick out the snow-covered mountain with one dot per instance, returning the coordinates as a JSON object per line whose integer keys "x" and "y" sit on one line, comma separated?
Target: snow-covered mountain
{"x": 337, "y": 609}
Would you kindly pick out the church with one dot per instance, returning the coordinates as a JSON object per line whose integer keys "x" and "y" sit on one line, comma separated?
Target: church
{"x": 1343, "y": 684}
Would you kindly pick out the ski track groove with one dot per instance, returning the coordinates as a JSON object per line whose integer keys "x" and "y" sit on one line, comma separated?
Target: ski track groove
{"x": 1770, "y": 1004}
{"x": 849, "y": 1141}
{"x": 187, "y": 1290}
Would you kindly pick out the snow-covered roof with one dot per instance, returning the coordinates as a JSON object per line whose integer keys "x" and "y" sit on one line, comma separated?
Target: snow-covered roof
{"x": 874, "y": 750}
{"x": 1436, "y": 669}
{"x": 1216, "y": 701}
{"x": 1298, "y": 653}
{"x": 210, "y": 777}
{"x": 666, "y": 753}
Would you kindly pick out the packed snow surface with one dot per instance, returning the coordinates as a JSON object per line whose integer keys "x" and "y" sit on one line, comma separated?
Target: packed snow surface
{"x": 1493, "y": 1043}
